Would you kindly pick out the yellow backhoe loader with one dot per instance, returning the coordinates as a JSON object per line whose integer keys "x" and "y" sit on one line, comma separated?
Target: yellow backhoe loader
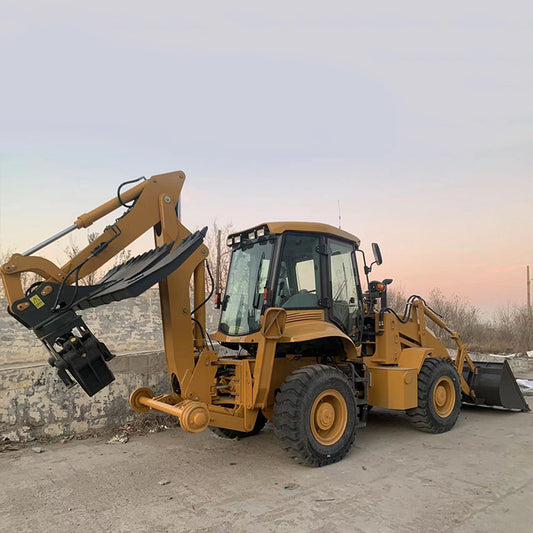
{"x": 308, "y": 349}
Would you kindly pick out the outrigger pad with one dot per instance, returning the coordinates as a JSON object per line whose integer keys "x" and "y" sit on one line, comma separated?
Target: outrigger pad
{"x": 494, "y": 384}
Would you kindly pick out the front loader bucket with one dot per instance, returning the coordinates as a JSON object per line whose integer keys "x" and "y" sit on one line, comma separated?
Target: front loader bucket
{"x": 494, "y": 385}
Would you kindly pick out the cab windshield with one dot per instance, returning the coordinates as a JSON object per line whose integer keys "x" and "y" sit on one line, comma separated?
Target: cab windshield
{"x": 247, "y": 279}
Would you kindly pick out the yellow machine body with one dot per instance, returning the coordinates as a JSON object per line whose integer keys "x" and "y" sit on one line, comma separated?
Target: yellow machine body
{"x": 232, "y": 391}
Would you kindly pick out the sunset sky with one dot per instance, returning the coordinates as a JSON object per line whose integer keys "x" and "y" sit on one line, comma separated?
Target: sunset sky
{"x": 416, "y": 116}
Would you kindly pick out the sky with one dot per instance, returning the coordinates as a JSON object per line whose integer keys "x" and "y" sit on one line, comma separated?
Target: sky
{"x": 415, "y": 117}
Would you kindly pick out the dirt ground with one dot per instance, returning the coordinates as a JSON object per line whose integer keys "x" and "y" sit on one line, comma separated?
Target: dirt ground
{"x": 476, "y": 478}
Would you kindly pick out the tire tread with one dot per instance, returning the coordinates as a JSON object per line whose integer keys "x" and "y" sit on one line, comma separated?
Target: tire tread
{"x": 288, "y": 415}
{"x": 421, "y": 416}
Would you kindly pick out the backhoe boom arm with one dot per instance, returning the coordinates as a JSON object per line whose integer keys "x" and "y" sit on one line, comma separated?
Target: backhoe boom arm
{"x": 48, "y": 308}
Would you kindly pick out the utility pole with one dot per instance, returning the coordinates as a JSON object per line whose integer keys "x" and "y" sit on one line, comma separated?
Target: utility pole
{"x": 528, "y": 291}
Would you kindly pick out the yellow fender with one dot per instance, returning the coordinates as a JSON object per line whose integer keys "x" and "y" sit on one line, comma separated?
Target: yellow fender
{"x": 318, "y": 329}
{"x": 413, "y": 358}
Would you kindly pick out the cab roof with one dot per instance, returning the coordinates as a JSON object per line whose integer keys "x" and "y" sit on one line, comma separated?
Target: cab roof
{"x": 313, "y": 227}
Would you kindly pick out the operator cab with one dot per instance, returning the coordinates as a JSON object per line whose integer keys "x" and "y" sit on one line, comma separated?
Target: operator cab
{"x": 296, "y": 266}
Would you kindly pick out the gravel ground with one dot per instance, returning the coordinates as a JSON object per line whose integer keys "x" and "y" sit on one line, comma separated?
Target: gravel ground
{"x": 476, "y": 478}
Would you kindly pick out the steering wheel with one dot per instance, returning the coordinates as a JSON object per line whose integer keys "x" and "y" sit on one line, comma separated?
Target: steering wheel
{"x": 298, "y": 298}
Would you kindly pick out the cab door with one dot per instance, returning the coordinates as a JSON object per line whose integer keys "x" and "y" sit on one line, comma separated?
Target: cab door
{"x": 345, "y": 308}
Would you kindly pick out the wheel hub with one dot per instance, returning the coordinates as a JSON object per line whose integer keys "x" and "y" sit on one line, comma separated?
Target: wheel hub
{"x": 440, "y": 395}
{"x": 329, "y": 417}
{"x": 444, "y": 396}
{"x": 325, "y": 415}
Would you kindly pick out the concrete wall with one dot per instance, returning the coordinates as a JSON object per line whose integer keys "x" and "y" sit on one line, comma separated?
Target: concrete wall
{"x": 35, "y": 403}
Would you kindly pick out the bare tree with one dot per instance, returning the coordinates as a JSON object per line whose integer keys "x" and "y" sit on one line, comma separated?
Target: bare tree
{"x": 27, "y": 278}
{"x": 218, "y": 260}
{"x": 73, "y": 249}
{"x": 457, "y": 312}
{"x": 4, "y": 256}
{"x": 396, "y": 299}
{"x": 219, "y": 256}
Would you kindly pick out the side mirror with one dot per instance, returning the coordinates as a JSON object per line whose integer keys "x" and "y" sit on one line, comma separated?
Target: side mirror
{"x": 377, "y": 253}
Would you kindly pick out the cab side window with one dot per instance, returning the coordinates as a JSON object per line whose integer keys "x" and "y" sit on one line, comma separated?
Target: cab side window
{"x": 345, "y": 300}
{"x": 298, "y": 284}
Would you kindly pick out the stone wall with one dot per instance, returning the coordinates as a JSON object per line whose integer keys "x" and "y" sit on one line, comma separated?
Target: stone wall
{"x": 35, "y": 403}
{"x": 132, "y": 325}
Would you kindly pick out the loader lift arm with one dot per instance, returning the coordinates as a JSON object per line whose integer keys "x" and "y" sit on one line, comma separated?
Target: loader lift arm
{"x": 491, "y": 384}
{"x": 462, "y": 358}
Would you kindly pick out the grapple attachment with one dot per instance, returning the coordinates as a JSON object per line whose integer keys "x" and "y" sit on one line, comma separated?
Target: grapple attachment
{"x": 49, "y": 310}
{"x": 494, "y": 385}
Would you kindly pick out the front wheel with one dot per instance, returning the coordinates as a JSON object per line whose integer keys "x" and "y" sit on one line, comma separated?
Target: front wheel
{"x": 439, "y": 397}
{"x": 315, "y": 415}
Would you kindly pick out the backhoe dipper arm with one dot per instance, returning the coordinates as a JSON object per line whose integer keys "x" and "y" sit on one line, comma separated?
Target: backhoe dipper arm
{"x": 48, "y": 308}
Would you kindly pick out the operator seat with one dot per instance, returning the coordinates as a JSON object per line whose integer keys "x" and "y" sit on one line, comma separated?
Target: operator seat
{"x": 304, "y": 298}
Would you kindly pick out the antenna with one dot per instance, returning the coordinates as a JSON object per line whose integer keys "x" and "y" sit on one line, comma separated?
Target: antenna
{"x": 339, "y": 204}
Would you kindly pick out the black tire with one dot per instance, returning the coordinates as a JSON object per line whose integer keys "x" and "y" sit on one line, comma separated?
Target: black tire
{"x": 307, "y": 392}
{"x": 434, "y": 414}
{"x": 232, "y": 434}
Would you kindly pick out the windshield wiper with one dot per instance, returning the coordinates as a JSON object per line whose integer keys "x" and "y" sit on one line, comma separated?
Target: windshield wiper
{"x": 257, "y": 295}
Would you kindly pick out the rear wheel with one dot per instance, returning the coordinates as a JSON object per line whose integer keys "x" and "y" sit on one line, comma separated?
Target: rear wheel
{"x": 315, "y": 415}
{"x": 439, "y": 397}
{"x": 232, "y": 434}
